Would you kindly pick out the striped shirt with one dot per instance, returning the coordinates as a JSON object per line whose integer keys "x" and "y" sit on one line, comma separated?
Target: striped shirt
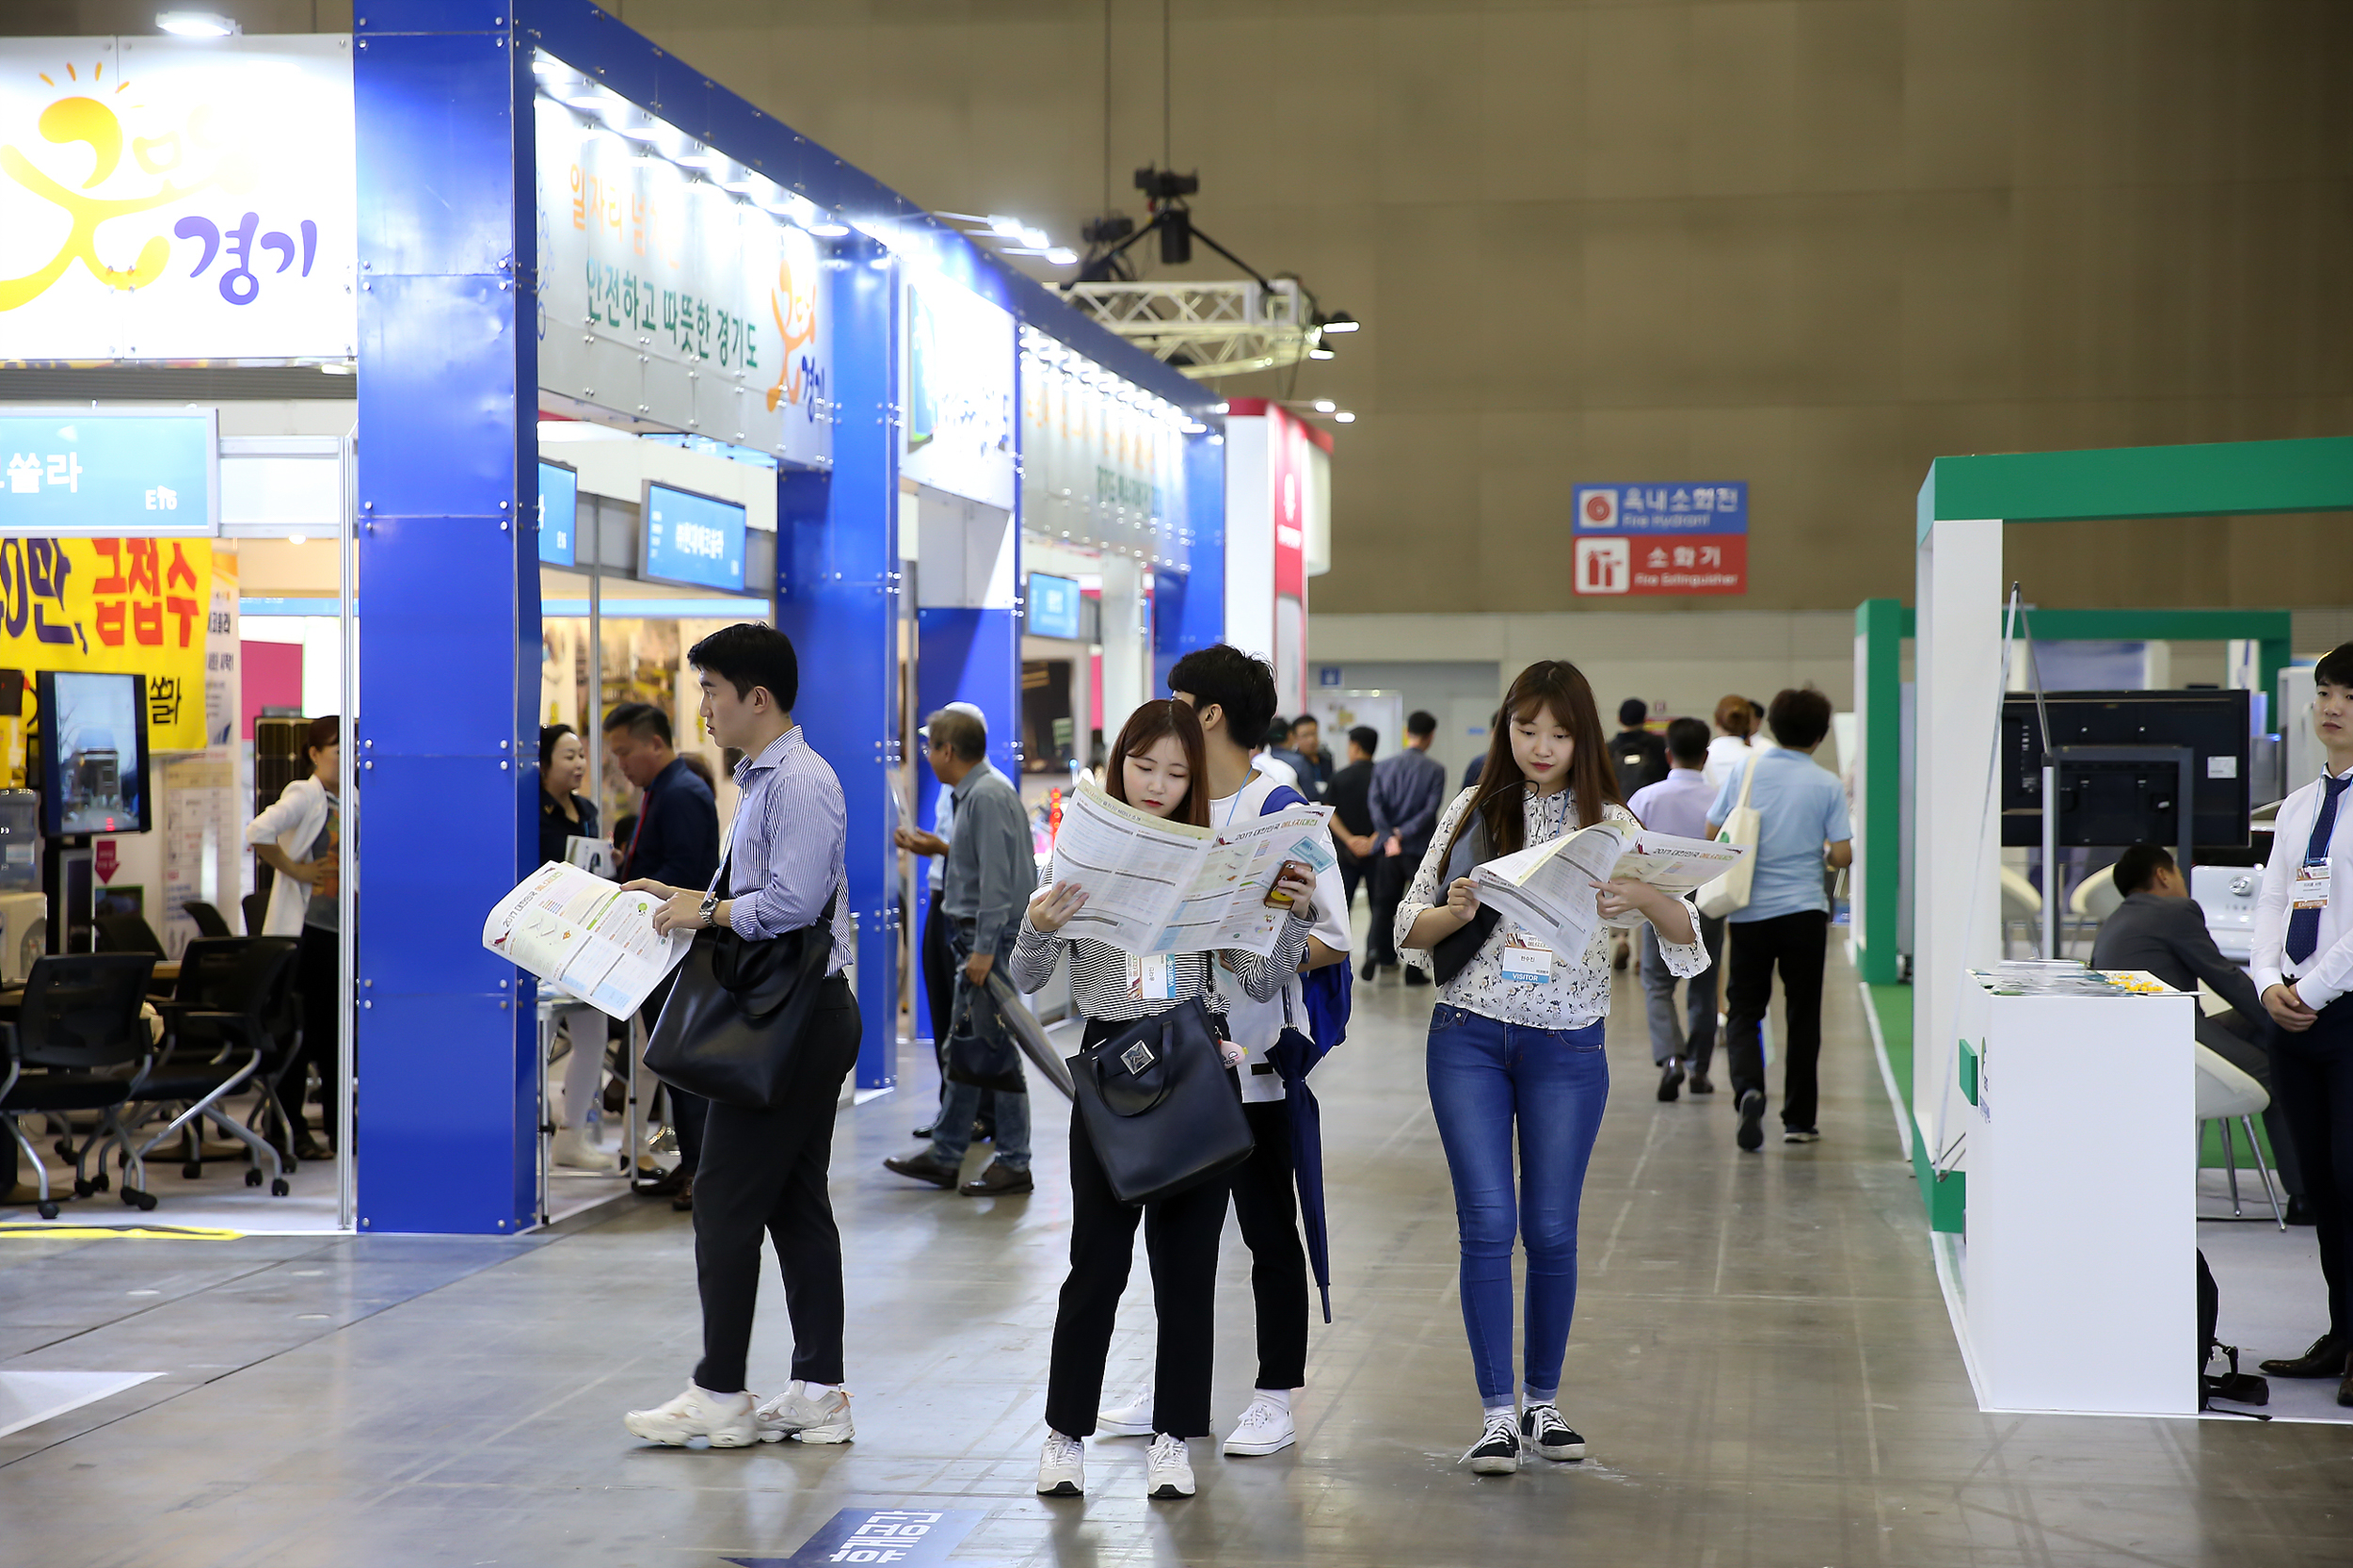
{"x": 785, "y": 852}
{"x": 1099, "y": 973}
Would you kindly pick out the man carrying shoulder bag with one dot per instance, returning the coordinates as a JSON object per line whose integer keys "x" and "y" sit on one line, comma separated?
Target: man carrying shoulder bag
{"x": 765, "y": 1150}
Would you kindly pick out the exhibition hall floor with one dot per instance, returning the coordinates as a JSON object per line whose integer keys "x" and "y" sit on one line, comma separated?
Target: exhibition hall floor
{"x": 1762, "y": 1362}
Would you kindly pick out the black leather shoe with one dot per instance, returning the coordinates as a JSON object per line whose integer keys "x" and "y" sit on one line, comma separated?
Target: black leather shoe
{"x": 1370, "y": 972}
{"x": 922, "y": 1167}
{"x": 2301, "y": 1213}
{"x": 1671, "y": 1082}
{"x": 998, "y": 1182}
{"x": 1701, "y": 1084}
{"x": 2326, "y": 1359}
{"x": 2345, "y": 1390}
{"x": 1415, "y": 977}
{"x": 924, "y": 1133}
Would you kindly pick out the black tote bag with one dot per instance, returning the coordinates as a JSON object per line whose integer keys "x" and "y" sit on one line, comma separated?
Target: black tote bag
{"x": 1161, "y": 1110}
{"x": 1452, "y": 953}
{"x": 981, "y": 1051}
{"x": 732, "y": 1026}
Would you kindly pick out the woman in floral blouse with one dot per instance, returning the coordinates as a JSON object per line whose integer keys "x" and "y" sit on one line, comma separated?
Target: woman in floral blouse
{"x": 1516, "y": 1045}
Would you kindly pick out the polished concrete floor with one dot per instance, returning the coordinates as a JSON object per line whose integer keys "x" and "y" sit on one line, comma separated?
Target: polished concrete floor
{"x": 1762, "y": 1362}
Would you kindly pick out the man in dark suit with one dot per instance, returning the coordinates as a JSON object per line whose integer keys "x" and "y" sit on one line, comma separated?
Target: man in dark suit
{"x": 676, "y": 841}
{"x": 1349, "y": 796}
{"x": 1408, "y": 792}
{"x": 2160, "y": 928}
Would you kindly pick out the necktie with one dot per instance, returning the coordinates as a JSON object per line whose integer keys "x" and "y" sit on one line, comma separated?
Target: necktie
{"x": 2304, "y": 924}
{"x": 628, "y": 856}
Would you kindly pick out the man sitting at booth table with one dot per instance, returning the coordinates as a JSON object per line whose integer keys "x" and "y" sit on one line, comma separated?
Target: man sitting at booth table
{"x": 2159, "y": 928}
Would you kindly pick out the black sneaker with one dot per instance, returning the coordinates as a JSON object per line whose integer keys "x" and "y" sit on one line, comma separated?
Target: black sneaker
{"x": 1497, "y": 1451}
{"x": 1800, "y": 1135}
{"x": 1752, "y": 1134}
{"x": 1549, "y": 1436}
{"x": 1669, "y": 1083}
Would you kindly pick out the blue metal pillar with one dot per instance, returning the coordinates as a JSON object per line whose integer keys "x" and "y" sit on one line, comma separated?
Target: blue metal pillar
{"x": 836, "y": 597}
{"x": 1188, "y": 607}
{"x": 449, "y": 616}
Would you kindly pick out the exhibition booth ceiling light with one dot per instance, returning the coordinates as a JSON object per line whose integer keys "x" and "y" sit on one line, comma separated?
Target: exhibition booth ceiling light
{"x": 1041, "y": 352}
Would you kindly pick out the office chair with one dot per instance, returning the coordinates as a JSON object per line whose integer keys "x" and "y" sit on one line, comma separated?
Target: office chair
{"x": 255, "y": 907}
{"x": 2225, "y": 1094}
{"x": 230, "y": 1029}
{"x": 207, "y": 918}
{"x": 78, "y": 1030}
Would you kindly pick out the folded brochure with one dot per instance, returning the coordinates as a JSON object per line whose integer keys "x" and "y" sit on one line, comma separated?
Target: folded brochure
{"x": 1547, "y": 891}
{"x": 584, "y": 938}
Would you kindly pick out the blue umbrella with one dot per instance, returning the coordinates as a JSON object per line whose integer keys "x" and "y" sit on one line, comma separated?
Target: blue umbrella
{"x": 1328, "y": 993}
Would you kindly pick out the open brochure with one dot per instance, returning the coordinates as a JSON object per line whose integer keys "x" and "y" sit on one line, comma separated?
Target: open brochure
{"x": 584, "y": 937}
{"x": 1547, "y": 891}
{"x": 1155, "y": 886}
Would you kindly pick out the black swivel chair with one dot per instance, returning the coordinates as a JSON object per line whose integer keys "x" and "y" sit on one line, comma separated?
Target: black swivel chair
{"x": 233, "y": 1028}
{"x": 132, "y": 934}
{"x": 255, "y": 907}
{"x": 207, "y": 918}
{"x": 77, "y": 1043}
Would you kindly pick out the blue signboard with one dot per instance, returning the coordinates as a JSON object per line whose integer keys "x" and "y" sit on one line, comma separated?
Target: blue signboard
{"x": 696, "y": 541}
{"x": 559, "y": 513}
{"x": 1053, "y": 607}
{"x": 78, "y": 472}
{"x": 1714, "y": 508}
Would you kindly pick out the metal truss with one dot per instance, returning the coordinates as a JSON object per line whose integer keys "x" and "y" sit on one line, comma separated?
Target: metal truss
{"x": 1206, "y": 330}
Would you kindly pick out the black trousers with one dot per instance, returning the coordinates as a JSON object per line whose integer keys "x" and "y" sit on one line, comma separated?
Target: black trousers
{"x": 1795, "y": 944}
{"x": 1266, "y": 1205}
{"x": 1391, "y": 873}
{"x": 1352, "y": 875}
{"x": 766, "y": 1171}
{"x": 1180, "y": 1236}
{"x": 318, "y": 979}
{"x": 687, "y": 1112}
{"x": 2311, "y": 1076}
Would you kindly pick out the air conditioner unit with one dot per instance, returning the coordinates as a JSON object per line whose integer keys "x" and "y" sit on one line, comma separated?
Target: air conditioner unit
{"x": 23, "y": 935}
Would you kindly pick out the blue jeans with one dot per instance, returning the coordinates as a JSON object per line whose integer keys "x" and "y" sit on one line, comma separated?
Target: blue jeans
{"x": 959, "y": 1103}
{"x": 1484, "y": 1076}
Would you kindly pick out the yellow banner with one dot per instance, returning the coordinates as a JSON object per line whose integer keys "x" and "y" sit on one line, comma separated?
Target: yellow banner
{"x": 123, "y": 606}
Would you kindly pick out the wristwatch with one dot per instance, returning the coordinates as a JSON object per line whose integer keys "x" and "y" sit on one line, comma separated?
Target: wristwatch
{"x": 711, "y": 905}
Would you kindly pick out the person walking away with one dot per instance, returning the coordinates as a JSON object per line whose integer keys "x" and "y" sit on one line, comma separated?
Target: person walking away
{"x": 2159, "y": 928}
{"x": 1472, "y": 769}
{"x": 1226, "y": 689}
{"x": 2303, "y": 964}
{"x": 1638, "y": 755}
{"x": 564, "y": 814}
{"x": 991, "y": 874}
{"x": 1736, "y": 738}
{"x": 300, "y": 838}
{"x": 1159, "y": 767}
{"x": 1351, "y": 813}
{"x": 936, "y": 956}
{"x": 1407, "y": 792}
{"x": 1514, "y": 1054}
{"x": 1678, "y": 804}
{"x": 764, "y": 1171}
{"x": 1276, "y": 757}
{"x": 675, "y": 843}
{"x": 1785, "y": 923}
{"x": 1315, "y": 780}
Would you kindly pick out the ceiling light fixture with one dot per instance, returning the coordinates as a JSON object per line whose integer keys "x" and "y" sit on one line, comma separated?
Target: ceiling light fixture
{"x": 1344, "y": 322}
{"x": 1344, "y": 417}
{"x": 197, "y": 24}
{"x": 829, "y": 230}
{"x": 1325, "y": 406}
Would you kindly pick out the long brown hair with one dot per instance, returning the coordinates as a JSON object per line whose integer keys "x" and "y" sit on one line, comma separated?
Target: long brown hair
{"x": 1147, "y": 724}
{"x": 1561, "y": 686}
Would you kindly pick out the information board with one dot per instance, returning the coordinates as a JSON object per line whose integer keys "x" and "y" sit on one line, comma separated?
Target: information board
{"x": 89, "y": 472}
{"x": 559, "y": 514}
{"x": 696, "y": 541}
{"x": 1661, "y": 539}
{"x": 1053, "y": 605}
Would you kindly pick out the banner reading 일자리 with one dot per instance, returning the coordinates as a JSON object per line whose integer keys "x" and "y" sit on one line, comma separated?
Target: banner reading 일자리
{"x": 123, "y": 606}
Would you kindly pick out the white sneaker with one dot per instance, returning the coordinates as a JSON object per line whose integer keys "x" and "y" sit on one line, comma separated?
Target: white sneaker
{"x": 1062, "y": 1466}
{"x": 576, "y": 1148}
{"x": 1265, "y": 1428}
{"x": 1132, "y": 1419}
{"x": 726, "y": 1419}
{"x": 1168, "y": 1468}
{"x": 810, "y": 1414}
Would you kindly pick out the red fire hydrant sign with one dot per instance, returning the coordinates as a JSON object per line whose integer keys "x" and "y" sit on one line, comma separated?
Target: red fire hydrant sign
{"x": 106, "y": 858}
{"x": 1679, "y": 538}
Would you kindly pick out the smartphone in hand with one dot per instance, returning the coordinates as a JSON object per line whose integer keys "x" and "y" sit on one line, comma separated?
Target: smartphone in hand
{"x": 1276, "y": 897}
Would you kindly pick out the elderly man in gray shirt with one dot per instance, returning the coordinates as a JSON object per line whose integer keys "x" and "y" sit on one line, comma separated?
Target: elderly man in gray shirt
{"x": 992, "y": 870}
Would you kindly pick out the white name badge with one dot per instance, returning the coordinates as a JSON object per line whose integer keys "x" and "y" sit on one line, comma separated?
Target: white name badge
{"x": 1524, "y": 964}
{"x": 1148, "y": 977}
{"x": 2312, "y": 888}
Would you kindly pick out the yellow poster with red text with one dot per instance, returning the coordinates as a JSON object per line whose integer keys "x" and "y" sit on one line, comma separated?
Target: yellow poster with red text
{"x": 122, "y": 606}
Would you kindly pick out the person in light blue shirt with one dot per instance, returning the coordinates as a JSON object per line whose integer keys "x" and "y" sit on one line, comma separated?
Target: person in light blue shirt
{"x": 1679, "y": 803}
{"x": 1786, "y": 921}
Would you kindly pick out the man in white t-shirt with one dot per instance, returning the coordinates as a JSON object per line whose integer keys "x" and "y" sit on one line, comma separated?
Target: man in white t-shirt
{"x": 1233, "y": 694}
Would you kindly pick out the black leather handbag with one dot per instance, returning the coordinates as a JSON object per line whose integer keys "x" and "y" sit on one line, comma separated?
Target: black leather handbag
{"x": 1452, "y": 953}
{"x": 1162, "y": 1112}
{"x": 732, "y": 1026}
{"x": 981, "y": 1051}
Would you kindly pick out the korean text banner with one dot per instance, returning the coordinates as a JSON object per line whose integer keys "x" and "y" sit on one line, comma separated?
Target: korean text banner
{"x": 666, "y": 298}
{"x": 958, "y": 431}
{"x": 1678, "y": 509}
{"x": 170, "y": 199}
{"x": 89, "y": 472}
{"x": 123, "y": 606}
{"x": 1101, "y": 463}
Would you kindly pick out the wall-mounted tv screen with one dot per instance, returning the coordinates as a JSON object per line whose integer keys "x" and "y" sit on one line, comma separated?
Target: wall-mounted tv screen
{"x": 1053, "y": 605}
{"x": 559, "y": 514}
{"x": 696, "y": 541}
{"x": 93, "y": 753}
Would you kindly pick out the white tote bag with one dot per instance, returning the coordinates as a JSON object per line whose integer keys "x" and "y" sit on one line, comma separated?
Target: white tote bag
{"x": 1729, "y": 893}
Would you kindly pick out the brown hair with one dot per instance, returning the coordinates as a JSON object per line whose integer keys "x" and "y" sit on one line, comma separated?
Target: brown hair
{"x": 1737, "y": 715}
{"x": 1561, "y": 686}
{"x": 1147, "y": 724}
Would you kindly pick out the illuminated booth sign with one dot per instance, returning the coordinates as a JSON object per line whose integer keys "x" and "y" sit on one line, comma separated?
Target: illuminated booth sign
{"x": 1103, "y": 461}
{"x": 959, "y": 358}
{"x": 559, "y": 514}
{"x": 696, "y": 541}
{"x": 104, "y": 471}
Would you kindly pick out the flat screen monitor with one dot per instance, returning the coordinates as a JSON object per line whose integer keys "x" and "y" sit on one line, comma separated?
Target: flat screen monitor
{"x": 2106, "y": 803}
{"x": 696, "y": 541}
{"x": 559, "y": 514}
{"x": 1053, "y": 605}
{"x": 93, "y": 753}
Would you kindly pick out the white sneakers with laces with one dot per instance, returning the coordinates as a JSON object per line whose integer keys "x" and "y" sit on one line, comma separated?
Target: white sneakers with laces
{"x": 725, "y": 1421}
{"x": 1132, "y": 1419}
{"x": 1265, "y": 1426}
{"x": 1062, "y": 1466}
{"x": 1168, "y": 1468}
{"x": 807, "y": 1412}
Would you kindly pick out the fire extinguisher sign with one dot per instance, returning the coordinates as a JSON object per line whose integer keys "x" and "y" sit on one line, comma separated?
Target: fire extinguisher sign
{"x": 1661, "y": 539}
